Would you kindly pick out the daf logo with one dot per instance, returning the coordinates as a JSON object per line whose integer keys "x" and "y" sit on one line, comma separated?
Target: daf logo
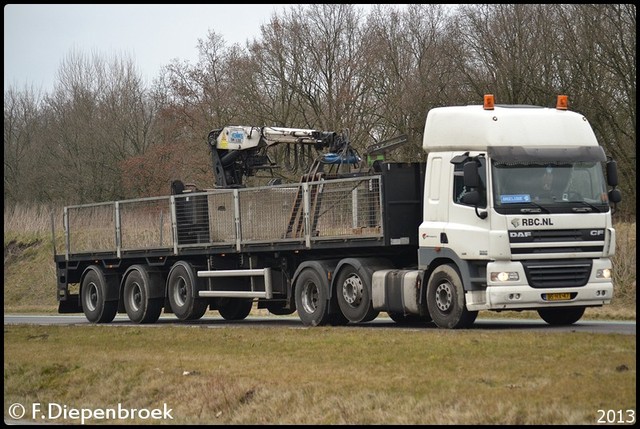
{"x": 520, "y": 234}
{"x": 515, "y": 222}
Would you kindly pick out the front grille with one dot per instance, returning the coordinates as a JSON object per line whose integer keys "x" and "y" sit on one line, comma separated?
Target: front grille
{"x": 557, "y": 273}
{"x": 556, "y": 241}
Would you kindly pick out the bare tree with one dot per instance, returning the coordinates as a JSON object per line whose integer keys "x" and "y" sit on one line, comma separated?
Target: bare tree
{"x": 508, "y": 50}
{"x": 315, "y": 52}
{"x": 99, "y": 116}
{"x": 23, "y": 123}
{"x": 408, "y": 69}
{"x": 599, "y": 52}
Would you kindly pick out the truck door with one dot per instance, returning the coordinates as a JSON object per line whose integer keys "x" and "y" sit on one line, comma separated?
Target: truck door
{"x": 468, "y": 224}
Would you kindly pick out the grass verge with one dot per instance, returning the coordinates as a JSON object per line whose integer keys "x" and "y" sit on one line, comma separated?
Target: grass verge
{"x": 333, "y": 375}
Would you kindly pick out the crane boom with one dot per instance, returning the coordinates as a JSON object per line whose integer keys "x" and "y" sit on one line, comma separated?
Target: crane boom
{"x": 239, "y": 151}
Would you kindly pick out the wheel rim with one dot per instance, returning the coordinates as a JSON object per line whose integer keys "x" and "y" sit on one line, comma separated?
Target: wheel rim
{"x": 444, "y": 297}
{"x": 180, "y": 292}
{"x": 353, "y": 290}
{"x": 310, "y": 297}
{"x": 135, "y": 300}
{"x": 91, "y": 300}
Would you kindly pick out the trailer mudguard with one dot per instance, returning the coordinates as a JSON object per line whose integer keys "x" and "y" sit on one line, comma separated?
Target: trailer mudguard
{"x": 110, "y": 280}
{"x": 152, "y": 277}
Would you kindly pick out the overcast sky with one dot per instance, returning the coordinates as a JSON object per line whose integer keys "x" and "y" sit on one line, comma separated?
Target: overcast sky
{"x": 38, "y": 36}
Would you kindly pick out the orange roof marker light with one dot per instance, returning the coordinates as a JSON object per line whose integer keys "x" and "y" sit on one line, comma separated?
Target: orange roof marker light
{"x": 488, "y": 102}
{"x": 562, "y": 103}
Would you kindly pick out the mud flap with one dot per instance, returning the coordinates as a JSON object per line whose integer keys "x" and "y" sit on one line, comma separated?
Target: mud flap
{"x": 70, "y": 305}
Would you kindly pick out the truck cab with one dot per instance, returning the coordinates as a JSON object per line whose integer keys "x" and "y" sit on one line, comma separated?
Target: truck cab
{"x": 516, "y": 207}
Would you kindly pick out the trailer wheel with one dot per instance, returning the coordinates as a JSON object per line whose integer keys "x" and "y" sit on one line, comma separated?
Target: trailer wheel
{"x": 445, "y": 299}
{"x": 235, "y": 308}
{"x": 561, "y": 316}
{"x": 93, "y": 297}
{"x": 353, "y": 291}
{"x": 140, "y": 307}
{"x": 182, "y": 291}
{"x": 312, "y": 301}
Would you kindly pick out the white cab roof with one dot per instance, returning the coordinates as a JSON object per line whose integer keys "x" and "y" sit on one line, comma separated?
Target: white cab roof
{"x": 474, "y": 128}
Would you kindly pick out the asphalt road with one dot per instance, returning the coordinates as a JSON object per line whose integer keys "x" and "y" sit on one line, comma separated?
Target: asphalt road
{"x": 592, "y": 326}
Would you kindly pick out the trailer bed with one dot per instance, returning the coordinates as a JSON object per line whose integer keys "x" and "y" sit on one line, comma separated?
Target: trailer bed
{"x": 372, "y": 210}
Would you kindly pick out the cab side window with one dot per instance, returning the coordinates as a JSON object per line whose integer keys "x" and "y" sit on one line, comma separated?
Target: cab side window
{"x": 459, "y": 189}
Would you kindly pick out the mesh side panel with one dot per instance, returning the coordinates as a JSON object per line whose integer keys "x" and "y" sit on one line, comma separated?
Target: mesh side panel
{"x": 92, "y": 228}
{"x": 265, "y": 213}
{"x": 146, "y": 224}
{"x": 222, "y": 227}
{"x": 345, "y": 208}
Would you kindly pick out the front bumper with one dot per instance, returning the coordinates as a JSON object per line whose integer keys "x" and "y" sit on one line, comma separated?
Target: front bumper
{"x": 526, "y": 297}
{"x": 519, "y": 295}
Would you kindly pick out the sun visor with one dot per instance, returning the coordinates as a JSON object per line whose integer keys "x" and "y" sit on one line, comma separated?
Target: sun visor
{"x": 546, "y": 154}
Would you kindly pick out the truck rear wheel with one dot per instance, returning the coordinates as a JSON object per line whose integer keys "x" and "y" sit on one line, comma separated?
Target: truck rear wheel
{"x": 353, "y": 291}
{"x": 445, "y": 299}
{"x": 93, "y": 297}
{"x": 312, "y": 301}
{"x": 561, "y": 316}
{"x": 140, "y": 307}
{"x": 234, "y": 308}
{"x": 182, "y": 290}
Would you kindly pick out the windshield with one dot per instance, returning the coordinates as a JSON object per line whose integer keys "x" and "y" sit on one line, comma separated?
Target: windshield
{"x": 548, "y": 187}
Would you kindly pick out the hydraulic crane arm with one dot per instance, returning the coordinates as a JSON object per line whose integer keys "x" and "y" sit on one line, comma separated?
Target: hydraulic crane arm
{"x": 238, "y": 151}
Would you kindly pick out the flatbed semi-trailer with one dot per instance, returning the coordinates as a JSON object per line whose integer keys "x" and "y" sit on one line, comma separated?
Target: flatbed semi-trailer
{"x": 224, "y": 248}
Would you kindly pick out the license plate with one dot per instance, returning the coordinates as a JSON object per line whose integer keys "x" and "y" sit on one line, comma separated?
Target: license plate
{"x": 558, "y": 296}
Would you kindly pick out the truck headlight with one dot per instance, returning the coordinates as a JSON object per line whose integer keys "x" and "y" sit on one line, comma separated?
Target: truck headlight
{"x": 603, "y": 273}
{"x": 504, "y": 276}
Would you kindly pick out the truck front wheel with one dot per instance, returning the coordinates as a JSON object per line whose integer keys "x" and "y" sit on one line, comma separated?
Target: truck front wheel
{"x": 561, "y": 316}
{"x": 182, "y": 291}
{"x": 445, "y": 299}
{"x": 93, "y": 297}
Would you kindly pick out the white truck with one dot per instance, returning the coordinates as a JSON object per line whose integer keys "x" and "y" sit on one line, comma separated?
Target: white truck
{"x": 510, "y": 212}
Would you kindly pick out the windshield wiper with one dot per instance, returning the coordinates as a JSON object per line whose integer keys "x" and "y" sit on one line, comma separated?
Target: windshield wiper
{"x": 536, "y": 210}
{"x": 582, "y": 209}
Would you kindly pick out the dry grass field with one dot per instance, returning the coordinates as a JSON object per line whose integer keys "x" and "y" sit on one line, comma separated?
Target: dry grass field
{"x": 323, "y": 375}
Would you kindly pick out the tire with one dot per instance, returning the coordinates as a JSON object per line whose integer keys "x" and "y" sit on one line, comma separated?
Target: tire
{"x": 93, "y": 298}
{"x": 409, "y": 319}
{"x": 353, "y": 292}
{"x": 140, "y": 307}
{"x": 561, "y": 316}
{"x": 445, "y": 299}
{"x": 234, "y": 308}
{"x": 182, "y": 291}
{"x": 312, "y": 298}
{"x": 337, "y": 318}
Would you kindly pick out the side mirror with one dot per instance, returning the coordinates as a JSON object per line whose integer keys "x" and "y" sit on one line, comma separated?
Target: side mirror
{"x": 471, "y": 175}
{"x": 471, "y": 198}
{"x": 612, "y": 173}
{"x": 615, "y": 196}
